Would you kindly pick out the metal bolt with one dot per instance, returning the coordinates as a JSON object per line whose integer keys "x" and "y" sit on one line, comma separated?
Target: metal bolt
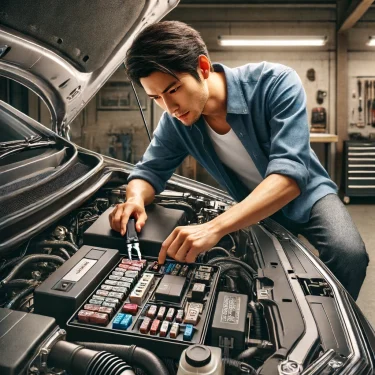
{"x": 335, "y": 364}
{"x": 34, "y": 370}
{"x": 289, "y": 368}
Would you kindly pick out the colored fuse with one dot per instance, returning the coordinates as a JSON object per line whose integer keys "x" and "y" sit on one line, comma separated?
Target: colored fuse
{"x": 151, "y": 312}
{"x": 120, "y": 296}
{"x": 98, "y": 298}
{"x": 126, "y": 261}
{"x": 161, "y": 312}
{"x": 140, "y": 263}
{"x": 192, "y": 316}
{"x": 103, "y": 293}
{"x": 174, "y": 330}
{"x": 84, "y": 316}
{"x": 189, "y": 331}
{"x": 184, "y": 270}
{"x": 145, "y": 326}
{"x": 117, "y": 320}
{"x": 114, "y": 273}
{"x": 109, "y": 304}
{"x": 123, "y": 266}
{"x": 164, "y": 329}
{"x": 116, "y": 278}
{"x": 155, "y": 327}
{"x": 132, "y": 274}
{"x": 91, "y": 307}
{"x": 126, "y": 321}
{"x": 123, "y": 284}
{"x": 95, "y": 302}
{"x": 155, "y": 267}
{"x": 120, "y": 289}
{"x": 127, "y": 280}
{"x": 106, "y": 310}
{"x": 121, "y": 270}
{"x": 110, "y": 282}
{"x": 130, "y": 308}
{"x": 99, "y": 318}
{"x": 106, "y": 287}
{"x": 135, "y": 268}
{"x": 170, "y": 314}
{"x": 168, "y": 268}
{"x": 179, "y": 316}
{"x": 112, "y": 300}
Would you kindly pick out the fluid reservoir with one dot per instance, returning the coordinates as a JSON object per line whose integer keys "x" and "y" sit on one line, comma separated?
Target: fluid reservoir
{"x": 201, "y": 359}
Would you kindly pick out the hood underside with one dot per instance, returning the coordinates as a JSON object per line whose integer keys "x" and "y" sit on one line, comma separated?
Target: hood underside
{"x": 65, "y": 51}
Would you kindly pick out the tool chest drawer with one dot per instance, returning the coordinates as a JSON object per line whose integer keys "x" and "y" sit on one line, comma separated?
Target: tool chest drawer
{"x": 359, "y": 164}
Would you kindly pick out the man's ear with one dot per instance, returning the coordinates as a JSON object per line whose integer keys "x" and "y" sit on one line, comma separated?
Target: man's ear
{"x": 204, "y": 66}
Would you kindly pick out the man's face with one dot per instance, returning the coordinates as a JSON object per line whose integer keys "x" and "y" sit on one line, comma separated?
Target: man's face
{"x": 184, "y": 98}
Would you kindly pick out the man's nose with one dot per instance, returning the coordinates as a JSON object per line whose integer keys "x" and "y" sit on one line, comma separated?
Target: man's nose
{"x": 170, "y": 106}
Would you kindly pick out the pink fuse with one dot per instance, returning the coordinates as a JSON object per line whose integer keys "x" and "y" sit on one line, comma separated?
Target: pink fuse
{"x": 151, "y": 312}
{"x": 84, "y": 316}
{"x": 124, "y": 266}
{"x": 161, "y": 312}
{"x": 145, "y": 326}
{"x": 155, "y": 327}
{"x": 130, "y": 308}
{"x": 164, "y": 329}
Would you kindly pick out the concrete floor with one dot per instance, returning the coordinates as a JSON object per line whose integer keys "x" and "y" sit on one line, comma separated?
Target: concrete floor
{"x": 363, "y": 215}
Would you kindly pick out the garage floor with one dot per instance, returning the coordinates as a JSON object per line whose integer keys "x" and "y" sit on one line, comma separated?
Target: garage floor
{"x": 363, "y": 215}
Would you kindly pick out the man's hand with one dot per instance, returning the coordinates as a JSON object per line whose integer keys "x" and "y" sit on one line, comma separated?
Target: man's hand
{"x": 185, "y": 243}
{"x": 119, "y": 217}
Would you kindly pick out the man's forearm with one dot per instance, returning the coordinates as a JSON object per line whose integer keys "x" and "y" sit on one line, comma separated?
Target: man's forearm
{"x": 273, "y": 193}
{"x": 138, "y": 189}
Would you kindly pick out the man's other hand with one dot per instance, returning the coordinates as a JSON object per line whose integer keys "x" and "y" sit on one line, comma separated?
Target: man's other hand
{"x": 185, "y": 243}
{"x": 119, "y": 217}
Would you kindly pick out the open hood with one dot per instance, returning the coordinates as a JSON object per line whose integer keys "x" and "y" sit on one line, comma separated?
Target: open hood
{"x": 66, "y": 50}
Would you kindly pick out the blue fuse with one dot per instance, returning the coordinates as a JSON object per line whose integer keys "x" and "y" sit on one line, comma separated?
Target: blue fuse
{"x": 168, "y": 268}
{"x": 173, "y": 265}
{"x": 189, "y": 331}
{"x": 126, "y": 322}
{"x": 116, "y": 322}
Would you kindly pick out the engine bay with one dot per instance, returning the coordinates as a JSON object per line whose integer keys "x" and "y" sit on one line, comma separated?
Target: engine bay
{"x": 78, "y": 272}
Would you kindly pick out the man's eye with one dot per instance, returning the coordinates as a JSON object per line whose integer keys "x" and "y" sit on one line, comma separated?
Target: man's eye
{"x": 174, "y": 90}
{"x": 155, "y": 97}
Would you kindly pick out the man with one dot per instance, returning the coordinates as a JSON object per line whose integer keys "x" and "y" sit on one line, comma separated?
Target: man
{"x": 248, "y": 127}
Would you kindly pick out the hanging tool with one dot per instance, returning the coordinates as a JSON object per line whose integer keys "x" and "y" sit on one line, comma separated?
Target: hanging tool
{"x": 360, "y": 123}
{"x": 373, "y": 105}
{"x": 365, "y": 102}
{"x": 132, "y": 241}
{"x": 369, "y": 102}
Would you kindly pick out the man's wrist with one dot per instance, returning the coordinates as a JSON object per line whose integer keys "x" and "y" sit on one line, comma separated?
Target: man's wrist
{"x": 135, "y": 199}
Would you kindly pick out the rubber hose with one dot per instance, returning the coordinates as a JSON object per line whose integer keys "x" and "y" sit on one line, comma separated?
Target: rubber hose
{"x": 64, "y": 252}
{"x": 20, "y": 295}
{"x": 257, "y": 320}
{"x": 77, "y": 360}
{"x": 20, "y": 283}
{"x": 248, "y": 353}
{"x": 220, "y": 249}
{"x": 31, "y": 259}
{"x": 57, "y": 244}
{"x": 238, "y": 366}
{"x": 135, "y": 356}
{"x": 230, "y": 283}
{"x": 236, "y": 261}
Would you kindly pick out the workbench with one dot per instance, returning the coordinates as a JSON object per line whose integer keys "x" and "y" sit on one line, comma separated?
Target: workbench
{"x": 327, "y": 139}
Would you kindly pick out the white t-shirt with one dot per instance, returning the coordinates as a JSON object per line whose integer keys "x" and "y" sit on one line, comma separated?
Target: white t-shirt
{"x": 233, "y": 154}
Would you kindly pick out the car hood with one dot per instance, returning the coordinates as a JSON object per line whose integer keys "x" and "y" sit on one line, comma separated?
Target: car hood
{"x": 66, "y": 50}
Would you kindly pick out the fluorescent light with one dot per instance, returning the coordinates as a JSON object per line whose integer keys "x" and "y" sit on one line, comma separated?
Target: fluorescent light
{"x": 271, "y": 41}
{"x": 371, "y": 41}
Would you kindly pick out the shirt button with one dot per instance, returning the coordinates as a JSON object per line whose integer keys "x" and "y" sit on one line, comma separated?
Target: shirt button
{"x": 244, "y": 111}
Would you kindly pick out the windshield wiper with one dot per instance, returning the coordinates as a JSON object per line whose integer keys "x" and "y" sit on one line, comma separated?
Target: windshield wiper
{"x": 12, "y": 147}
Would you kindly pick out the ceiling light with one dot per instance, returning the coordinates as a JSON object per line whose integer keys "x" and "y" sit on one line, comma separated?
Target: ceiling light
{"x": 271, "y": 41}
{"x": 371, "y": 41}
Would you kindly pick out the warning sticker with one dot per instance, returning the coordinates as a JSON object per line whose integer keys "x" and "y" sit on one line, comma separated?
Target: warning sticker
{"x": 231, "y": 310}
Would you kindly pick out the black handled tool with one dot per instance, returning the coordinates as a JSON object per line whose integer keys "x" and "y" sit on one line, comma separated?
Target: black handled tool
{"x": 132, "y": 240}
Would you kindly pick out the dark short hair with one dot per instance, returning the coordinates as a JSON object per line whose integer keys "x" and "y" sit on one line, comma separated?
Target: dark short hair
{"x": 170, "y": 47}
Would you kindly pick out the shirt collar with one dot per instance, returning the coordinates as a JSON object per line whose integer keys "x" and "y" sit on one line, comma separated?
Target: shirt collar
{"x": 235, "y": 99}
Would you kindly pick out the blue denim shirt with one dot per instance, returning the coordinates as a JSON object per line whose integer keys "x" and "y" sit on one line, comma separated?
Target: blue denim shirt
{"x": 266, "y": 108}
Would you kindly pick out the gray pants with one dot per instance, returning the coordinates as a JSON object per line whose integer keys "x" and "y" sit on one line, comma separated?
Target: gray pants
{"x": 332, "y": 232}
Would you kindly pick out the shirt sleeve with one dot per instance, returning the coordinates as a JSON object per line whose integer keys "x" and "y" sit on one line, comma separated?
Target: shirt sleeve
{"x": 163, "y": 155}
{"x": 290, "y": 134}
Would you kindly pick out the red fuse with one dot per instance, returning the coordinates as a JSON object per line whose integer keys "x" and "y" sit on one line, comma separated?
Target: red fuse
{"x": 164, "y": 329}
{"x": 130, "y": 308}
{"x": 170, "y": 314}
{"x": 124, "y": 266}
{"x": 134, "y": 268}
{"x": 84, "y": 316}
{"x": 127, "y": 261}
{"x": 91, "y": 307}
{"x": 151, "y": 312}
{"x": 145, "y": 326}
{"x": 106, "y": 310}
{"x": 155, "y": 327}
{"x": 179, "y": 316}
{"x": 161, "y": 313}
{"x": 99, "y": 318}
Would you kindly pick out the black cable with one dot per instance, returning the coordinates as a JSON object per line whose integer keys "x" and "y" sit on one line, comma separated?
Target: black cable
{"x": 18, "y": 283}
{"x": 238, "y": 367}
{"x": 30, "y": 259}
{"x": 140, "y": 109}
{"x": 234, "y": 260}
{"x": 20, "y": 295}
{"x": 257, "y": 320}
{"x": 247, "y": 354}
{"x": 57, "y": 244}
{"x": 63, "y": 252}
